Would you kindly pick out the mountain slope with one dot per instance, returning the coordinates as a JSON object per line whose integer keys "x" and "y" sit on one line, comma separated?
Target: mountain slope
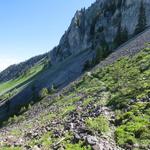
{"x": 15, "y": 71}
{"x": 59, "y": 74}
{"x": 106, "y": 108}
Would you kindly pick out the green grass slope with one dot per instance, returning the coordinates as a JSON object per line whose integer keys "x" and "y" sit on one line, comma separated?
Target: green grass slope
{"x": 112, "y": 104}
{"x": 11, "y": 87}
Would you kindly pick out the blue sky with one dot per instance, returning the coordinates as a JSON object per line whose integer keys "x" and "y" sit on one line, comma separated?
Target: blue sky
{"x": 32, "y": 27}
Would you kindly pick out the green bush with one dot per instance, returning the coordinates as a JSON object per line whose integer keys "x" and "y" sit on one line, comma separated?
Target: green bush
{"x": 77, "y": 147}
{"x": 100, "y": 124}
{"x": 135, "y": 126}
{"x": 52, "y": 89}
{"x": 43, "y": 93}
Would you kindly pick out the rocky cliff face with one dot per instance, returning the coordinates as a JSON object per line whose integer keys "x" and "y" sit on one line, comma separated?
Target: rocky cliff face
{"x": 89, "y": 28}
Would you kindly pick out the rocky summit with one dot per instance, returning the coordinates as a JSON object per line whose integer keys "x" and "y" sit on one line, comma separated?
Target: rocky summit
{"x": 90, "y": 28}
{"x": 91, "y": 92}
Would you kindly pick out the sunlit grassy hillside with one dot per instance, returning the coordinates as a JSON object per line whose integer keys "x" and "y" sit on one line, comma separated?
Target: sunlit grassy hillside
{"x": 9, "y": 88}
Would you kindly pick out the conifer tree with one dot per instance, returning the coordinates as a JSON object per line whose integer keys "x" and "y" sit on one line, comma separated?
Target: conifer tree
{"x": 87, "y": 65}
{"x": 102, "y": 52}
{"x": 124, "y": 35}
{"x": 118, "y": 35}
{"x": 141, "y": 25}
{"x": 121, "y": 36}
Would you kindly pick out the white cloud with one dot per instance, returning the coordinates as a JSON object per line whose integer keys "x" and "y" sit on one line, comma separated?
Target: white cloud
{"x": 5, "y": 62}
